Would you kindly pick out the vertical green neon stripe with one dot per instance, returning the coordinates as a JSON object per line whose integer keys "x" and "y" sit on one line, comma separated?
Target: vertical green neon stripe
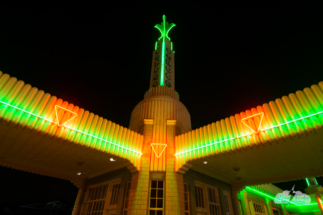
{"x": 162, "y": 69}
{"x": 156, "y": 46}
{"x": 171, "y": 45}
{"x": 308, "y": 183}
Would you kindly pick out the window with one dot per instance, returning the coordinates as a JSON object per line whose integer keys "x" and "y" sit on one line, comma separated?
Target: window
{"x": 94, "y": 200}
{"x": 214, "y": 201}
{"x": 187, "y": 199}
{"x": 199, "y": 197}
{"x": 114, "y": 196}
{"x": 259, "y": 209}
{"x": 156, "y": 200}
{"x": 126, "y": 199}
{"x": 228, "y": 203}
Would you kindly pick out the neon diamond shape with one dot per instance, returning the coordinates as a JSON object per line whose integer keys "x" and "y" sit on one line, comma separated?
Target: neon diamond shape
{"x": 158, "y": 144}
{"x": 252, "y": 116}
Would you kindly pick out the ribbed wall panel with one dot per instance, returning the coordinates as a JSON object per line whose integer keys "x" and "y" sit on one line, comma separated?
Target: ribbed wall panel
{"x": 161, "y": 109}
{"x": 161, "y": 90}
{"x": 230, "y": 134}
{"x": 42, "y": 104}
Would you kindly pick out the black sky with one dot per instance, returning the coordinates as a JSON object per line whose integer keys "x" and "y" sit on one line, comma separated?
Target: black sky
{"x": 229, "y": 57}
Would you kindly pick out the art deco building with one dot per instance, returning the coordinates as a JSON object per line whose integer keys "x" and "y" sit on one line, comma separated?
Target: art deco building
{"x": 159, "y": 165}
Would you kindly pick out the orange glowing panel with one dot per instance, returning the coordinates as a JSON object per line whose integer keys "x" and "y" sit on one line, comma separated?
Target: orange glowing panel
{"x": 154, "y": 145}
{"x": 64, "y": 119}
{"x": 257, "y": 128}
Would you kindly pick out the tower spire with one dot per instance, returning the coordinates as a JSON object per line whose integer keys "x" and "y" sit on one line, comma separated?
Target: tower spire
{"x": 162, "y": 72}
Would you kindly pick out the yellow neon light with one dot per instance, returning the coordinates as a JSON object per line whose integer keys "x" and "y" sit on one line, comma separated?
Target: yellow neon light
{"x": 57, "y": 121}
{"x": 234, "y": 138}
{"x": 262, "y": 116}
{"x": 158, "y": 144}
{"x": 22, "y": 110}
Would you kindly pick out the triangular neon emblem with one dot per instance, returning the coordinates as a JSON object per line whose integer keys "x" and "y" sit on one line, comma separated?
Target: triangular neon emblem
{"x": 61, "y": 117}
{"x": 254, "y": 125}
{"x": 154, "y": 147}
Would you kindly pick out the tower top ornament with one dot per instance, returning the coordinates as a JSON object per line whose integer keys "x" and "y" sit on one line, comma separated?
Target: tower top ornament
{"x": 164, "y": 28}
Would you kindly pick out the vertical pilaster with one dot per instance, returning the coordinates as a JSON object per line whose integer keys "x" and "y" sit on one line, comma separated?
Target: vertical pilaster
{"x": 138, "y": 198}
{"x": 174, "y": 181}
{"x": 284, "y": 210}
{"x": 235, "y": 201}
{"x": 244, "y": 203}
{"x": 269, "y": 207}
{"x": 79, "y": 200}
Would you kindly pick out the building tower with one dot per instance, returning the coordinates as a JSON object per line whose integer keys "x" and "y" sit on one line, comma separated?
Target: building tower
{"x": 159, "y": 118}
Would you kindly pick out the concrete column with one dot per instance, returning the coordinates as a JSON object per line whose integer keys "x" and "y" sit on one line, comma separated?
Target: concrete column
{"x": 174, "y": 202}
{"x": 79, "y": 200}
{"x": 244, "y": 203}
{"x": 269, "y": 207}
{"x": 138, "y": 197}
{"x": 284, "y": 210}
{"x": 235, "y": 190}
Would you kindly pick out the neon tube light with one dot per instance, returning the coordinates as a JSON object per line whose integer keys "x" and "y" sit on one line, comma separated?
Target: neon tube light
{"x": 249, "y": 117}
{"x": 64, "y": 123}
{"x": 158, "y": 144}
{"x": 264, "y": 194}
{"x": 164, "y": 29}
{"x": 308, "y": 183}
{"x": 234, "y": 138}
{"x": 156, "y": 45}
{"x": 5, "y": 103}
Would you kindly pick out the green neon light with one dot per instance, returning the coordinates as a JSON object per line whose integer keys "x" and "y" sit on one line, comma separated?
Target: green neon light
{"x": 156, "y": 45}
{"x": 316, "y": 181}
{"x": 7, "y": 104}
{"x": 273, "y": 198}
{"x": 171, "y": 45}
{"x": 234, "y": 138}
{"x": 164, "y": 29}
{"x": 308, "y": 183}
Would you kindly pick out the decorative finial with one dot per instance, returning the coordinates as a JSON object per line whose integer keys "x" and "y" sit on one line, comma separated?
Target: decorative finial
{"x": 164, "y": 28}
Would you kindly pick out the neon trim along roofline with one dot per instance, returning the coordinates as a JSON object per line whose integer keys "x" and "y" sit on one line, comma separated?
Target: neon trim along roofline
{"x": 90, "y": 135}
{"x": 233, "y": 138}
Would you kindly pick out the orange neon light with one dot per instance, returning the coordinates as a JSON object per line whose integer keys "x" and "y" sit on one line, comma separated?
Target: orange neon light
{"x": 63, "y": 122}
{"x": 320, "y": 203}
{"x": 262, "y": 116}
{"x": 158, "y": 144}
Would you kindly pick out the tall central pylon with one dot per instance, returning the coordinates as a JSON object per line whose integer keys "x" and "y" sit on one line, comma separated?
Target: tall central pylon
{"x": 162, "y": 71}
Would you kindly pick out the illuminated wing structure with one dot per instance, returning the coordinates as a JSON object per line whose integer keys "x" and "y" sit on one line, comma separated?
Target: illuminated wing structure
{"x": 71, "y": 139}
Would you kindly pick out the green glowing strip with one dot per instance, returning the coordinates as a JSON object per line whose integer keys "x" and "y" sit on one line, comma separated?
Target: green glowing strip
{"x": 171, "y": 45}
{"x": 156, "y": 46}
{"x": 308, "y": 183}
{"x": 316, "y": 181}
{"x": 68, "y": 127}
{"x": 160, "y": 32}
{"x": 264, "y": 194}
{"x": 168, "y": 31}
{"x": 162, "y": 69}
{"x": 248, "y": 134}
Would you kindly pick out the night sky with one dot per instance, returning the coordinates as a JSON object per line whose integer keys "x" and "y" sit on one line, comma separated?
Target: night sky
{"x": 230, "y": 57}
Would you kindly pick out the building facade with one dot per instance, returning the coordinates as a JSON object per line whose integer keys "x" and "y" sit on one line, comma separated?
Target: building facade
{"x": 159, "y": 165}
